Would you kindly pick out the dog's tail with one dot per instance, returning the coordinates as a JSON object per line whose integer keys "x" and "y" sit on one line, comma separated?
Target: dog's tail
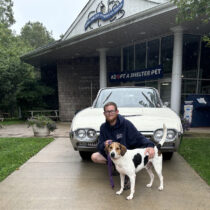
{"x": 163, "y": 138}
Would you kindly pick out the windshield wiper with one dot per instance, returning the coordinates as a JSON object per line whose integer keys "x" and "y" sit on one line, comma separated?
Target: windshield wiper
{"x": 107, "y": 97}
{"x": 151, "y": 103}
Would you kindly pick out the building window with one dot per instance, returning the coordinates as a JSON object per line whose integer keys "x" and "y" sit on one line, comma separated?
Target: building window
{"x": 204, "y": 74}
{"x": 148, "y": 84}
{"x": 189, "y": 87}
{"x": 153, "y": 84}
{"x": 140, "y": 56}
{"x": 190, "y": 64}
{"x": 205, "y": 62}
{"x": 190, "y": 56}
{"x": 128, "y": 58}
{"x": 204, "y": 87}
{"x": 153, "y": 53}
{"x": 167, "y": 44}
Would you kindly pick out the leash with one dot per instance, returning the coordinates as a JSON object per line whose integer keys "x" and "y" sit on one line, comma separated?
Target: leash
{"x": 110, "y": 171}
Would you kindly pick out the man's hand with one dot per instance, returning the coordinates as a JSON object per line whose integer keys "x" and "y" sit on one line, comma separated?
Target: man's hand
{"x": 150, "y": 151}
{"x": 107, "y": 142}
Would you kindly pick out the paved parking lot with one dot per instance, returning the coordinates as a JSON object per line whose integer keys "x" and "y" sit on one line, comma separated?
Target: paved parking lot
{"x": 56, "y": 178}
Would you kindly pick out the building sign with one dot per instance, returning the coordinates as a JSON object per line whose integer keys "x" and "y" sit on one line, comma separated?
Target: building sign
{"x": 112, "y": 12}
{"x": 141, "y": 75}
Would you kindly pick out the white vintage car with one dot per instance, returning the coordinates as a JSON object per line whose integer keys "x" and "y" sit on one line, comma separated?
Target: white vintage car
{"x": 142, "y": 106}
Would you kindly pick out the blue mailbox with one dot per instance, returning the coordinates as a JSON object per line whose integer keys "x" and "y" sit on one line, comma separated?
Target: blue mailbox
{"x": 200, "y": 114}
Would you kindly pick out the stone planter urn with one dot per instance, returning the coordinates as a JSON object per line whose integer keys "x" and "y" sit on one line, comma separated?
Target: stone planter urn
{"x": 42, "y": 125}
{"x": 41, "y": 132}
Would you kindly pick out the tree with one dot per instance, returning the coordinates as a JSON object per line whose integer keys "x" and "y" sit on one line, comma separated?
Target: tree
{"x": 31, "y": 92}
{"x": 19, "y": 84}
{"x": 36, "y": 34}
{"x": 192, "y": 9}
{"x": 12, "y": 70}
{"x": 6, "y": 13}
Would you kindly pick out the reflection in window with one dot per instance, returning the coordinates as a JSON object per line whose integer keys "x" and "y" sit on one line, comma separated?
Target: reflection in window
{"x": 167, "y": 54}
{"x": 190, "y": 55}
{"x": 153, "y": 53}
{"x": 140, "y": 56}
{"x": 128, "y": 58}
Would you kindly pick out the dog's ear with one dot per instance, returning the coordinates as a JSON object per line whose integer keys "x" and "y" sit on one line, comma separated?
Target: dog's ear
{"x": 106, "y": 149}
{"x": 123, "y": 149}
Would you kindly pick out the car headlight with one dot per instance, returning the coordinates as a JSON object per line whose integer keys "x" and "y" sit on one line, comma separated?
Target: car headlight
{"x": 85, "y": 134}
{"x": 171, "y": 135}
{"x": 91, "y": 133}
{"x": 158, "y": 134}
{"x": 81, "y": 133}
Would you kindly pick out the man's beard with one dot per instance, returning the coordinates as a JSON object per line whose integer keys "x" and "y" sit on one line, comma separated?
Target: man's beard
{"x": 110, "y": 121}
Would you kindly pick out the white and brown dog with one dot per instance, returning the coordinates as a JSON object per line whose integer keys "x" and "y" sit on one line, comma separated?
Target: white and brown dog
{"x": 129, "y": 162}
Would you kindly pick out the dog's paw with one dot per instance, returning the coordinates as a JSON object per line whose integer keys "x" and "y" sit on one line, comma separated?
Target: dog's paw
{"x": 130, "y": 197}
{"x": 149, "y": 185}
{"x": 160, "y": 188}
{"x": 119, "y": 192}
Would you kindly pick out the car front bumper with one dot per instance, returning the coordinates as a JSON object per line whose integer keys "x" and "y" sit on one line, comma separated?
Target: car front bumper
{"x": 91, "y": 146}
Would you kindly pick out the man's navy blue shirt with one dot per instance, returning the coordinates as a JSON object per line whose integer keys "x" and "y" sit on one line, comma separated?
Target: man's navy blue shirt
{"x": 123, "y": 132}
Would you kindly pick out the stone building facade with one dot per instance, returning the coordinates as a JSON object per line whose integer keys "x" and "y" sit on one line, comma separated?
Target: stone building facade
{"x": 126, "y": 36}
{"x": 78, "y": 84}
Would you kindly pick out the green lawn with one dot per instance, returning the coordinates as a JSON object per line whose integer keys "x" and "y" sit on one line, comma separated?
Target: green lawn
{"x": 16, "y": 151}
{"x": 196, "y": 151}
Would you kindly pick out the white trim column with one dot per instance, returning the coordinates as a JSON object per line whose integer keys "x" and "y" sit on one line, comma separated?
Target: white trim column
{"x": 103, "y": 68}
{"x": 177, "y": 69}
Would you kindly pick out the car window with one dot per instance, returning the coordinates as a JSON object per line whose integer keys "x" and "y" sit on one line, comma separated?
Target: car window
{"x": 129, "y": 97}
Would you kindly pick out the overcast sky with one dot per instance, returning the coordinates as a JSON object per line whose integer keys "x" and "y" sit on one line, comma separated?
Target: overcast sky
{"x": 56, "y": 15}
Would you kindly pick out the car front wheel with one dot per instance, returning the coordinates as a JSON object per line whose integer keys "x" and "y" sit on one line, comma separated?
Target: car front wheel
{"x": 167, "y": 155}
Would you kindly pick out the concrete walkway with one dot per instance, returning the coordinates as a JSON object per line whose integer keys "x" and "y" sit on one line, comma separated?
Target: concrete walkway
{"x": 56, "y": 178}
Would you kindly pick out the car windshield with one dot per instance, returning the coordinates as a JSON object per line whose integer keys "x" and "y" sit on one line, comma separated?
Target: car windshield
{"x": 129, "y": 97}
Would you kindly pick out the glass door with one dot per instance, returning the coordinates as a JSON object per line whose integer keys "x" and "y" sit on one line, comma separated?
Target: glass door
{"x": 164, "y": 87}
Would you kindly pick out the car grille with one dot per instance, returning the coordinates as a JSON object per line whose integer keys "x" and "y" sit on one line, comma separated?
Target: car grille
{"x": 88, "y": 144}
{"x": 92, "y": 144}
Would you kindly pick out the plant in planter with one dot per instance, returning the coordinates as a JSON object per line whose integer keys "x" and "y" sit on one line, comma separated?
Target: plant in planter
{"x": 42, "y": 125}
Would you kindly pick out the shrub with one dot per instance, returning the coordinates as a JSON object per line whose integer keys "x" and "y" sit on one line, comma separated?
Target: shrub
{"x": 42, "y": 121}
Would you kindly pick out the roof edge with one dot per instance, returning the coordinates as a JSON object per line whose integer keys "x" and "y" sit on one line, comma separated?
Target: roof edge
{"x": 113, "y": 26}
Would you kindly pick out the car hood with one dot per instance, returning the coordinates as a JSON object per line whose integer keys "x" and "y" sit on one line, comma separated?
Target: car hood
{"x": 145, "y": 119}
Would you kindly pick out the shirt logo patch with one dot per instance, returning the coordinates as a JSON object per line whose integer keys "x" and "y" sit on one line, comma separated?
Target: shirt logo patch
{"x": 119, "y": 136}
